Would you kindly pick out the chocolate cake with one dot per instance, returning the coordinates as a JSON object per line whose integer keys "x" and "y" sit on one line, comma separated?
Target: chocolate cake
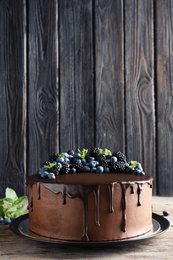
{"x": 110, "y": 203}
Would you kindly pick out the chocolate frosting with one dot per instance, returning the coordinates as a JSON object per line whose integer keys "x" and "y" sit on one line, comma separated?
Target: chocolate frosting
{"x": 90, "y": 183}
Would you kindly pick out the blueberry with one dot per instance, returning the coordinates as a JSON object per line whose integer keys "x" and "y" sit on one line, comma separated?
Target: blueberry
{"x": 44, "y": 174}
{"x": 138, "y": 172}
{"x": 66, "y": 160}
{"x": 66, "y": 155}
{"x": 41, "y": 170}
{"x": 89, "y": 158}
{"x": 113, "y": 159}
{"x": 166, "y": 213}
{"x": 59, "y": 165}
{"x": 86, "y": 168}
{"x": 77, "y": 155}
{"x": 127, "y": 169}
{"x": 99, "y": 169}
{"x": 93, "y": 164}
{"x": 59, "y": 159}
{"x": 7, "y": 221}
{"x": 78, "y": 160}
{"x": 51, "y": 176}
{"x": 139, "y": 166}
{"x": 107, "y": 170}
{"x": 73, "y": 170}
{"x": 83, "y": 161}
{"x": 93, "y": 169}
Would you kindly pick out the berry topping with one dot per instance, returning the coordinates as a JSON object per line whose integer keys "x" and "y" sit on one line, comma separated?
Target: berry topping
{"x": 96, "y": 160}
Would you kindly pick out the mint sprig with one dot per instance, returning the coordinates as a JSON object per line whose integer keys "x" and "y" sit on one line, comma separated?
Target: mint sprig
{"x": 83, "y": 153}
{"x": 104, "y": 151}
{"x": 50, "y": 165}
{"x": 62, "y": 155}
{"x": 133, "y": 164}
{"x": 11, "y": 206}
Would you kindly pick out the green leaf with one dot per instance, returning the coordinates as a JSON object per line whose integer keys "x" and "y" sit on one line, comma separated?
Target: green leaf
{"x": 11, "y": 206}
{"x": 21, "y": 207}
{"x": 61, "y": 155}
{"x": 20, "y": 199}
{"x": 16, "y": 214}
{"x": 10, "y": 193}
{"x": 49, "y": 166}
{"x": 106, "y": 152}
{"x": 133, "y": 164}
{"x": 1, "y": 208}
{"x": 8, "y": 201}
{"x": 11, "y": 209}
{"x": 15, "y": 211}
{"x": 83, "y": 152}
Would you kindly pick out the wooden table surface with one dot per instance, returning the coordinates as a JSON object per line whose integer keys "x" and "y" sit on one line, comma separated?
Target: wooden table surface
{"x": 16, "y": 247}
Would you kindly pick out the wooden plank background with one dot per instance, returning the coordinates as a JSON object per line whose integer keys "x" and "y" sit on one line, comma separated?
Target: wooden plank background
{"x": 79, "y": 74}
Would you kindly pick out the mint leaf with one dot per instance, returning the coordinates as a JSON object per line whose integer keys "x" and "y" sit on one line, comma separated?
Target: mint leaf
{"x": 1, "y": 208}
{"x": 51, "y": 165}
{"x": 104, "y": 151}
{"x": 10, "y": 193}
{"x": 61, "y": 155}
{"x": 133, "y": 164}
{"x": 83, "y": 152}
{"x": 8, "y": 202}
{"x": 20, "y": 199}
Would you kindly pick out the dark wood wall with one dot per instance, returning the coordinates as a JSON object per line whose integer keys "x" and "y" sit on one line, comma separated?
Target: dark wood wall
{"x": 85, "y": 73}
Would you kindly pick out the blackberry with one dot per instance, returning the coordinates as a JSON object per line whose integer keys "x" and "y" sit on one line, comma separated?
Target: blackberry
{"x": 93, "y": 152}
{"x": 45, "y": 164}
{"x": 113, "y": 166}
{"x": 65, "y": 168}
{"x": 78, "y": 166}
{"x": 117, "y": 166}
{"x": 120, "y": 156}
{"x": 55, "y": 169}
{"x": 72, "y": 160}
{"x": 102, "y": 160}
{"x": 52, "y": 157}
{"x": 71, "y": 152}
{"x": 121, "y": 166}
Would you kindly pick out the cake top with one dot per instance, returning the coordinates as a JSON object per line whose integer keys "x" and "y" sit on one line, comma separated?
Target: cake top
{"x": 96, "y": 160}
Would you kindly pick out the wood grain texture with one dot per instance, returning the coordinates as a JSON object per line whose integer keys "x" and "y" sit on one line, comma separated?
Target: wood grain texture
{"x": 12, "y": 96}
{"x": 164, "y": 75}
{"x": 43, "y": 85}
{"x": 139, "y": 77}
{"x": 76, "y": 75}
{"x": 19, "y": 248}
{"x": 109, "y": 81}
{"x": 79, "y": 74}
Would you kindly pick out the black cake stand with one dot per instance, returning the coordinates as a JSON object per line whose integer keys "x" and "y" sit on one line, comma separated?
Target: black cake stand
{"x": 20, "y": 227}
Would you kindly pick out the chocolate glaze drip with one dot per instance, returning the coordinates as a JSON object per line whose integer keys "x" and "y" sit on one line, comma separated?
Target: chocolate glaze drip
{"x": 30, "y": 205}
{"x": 139, "y": 189}
{"x": 111, "y": 189}
{"x": 97, "y": 196}
{"x": 83, "y": 191}
{"x": 132, "y": 188}
{"x": 38, "y": 190}
{"x": 123, "y": 205}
